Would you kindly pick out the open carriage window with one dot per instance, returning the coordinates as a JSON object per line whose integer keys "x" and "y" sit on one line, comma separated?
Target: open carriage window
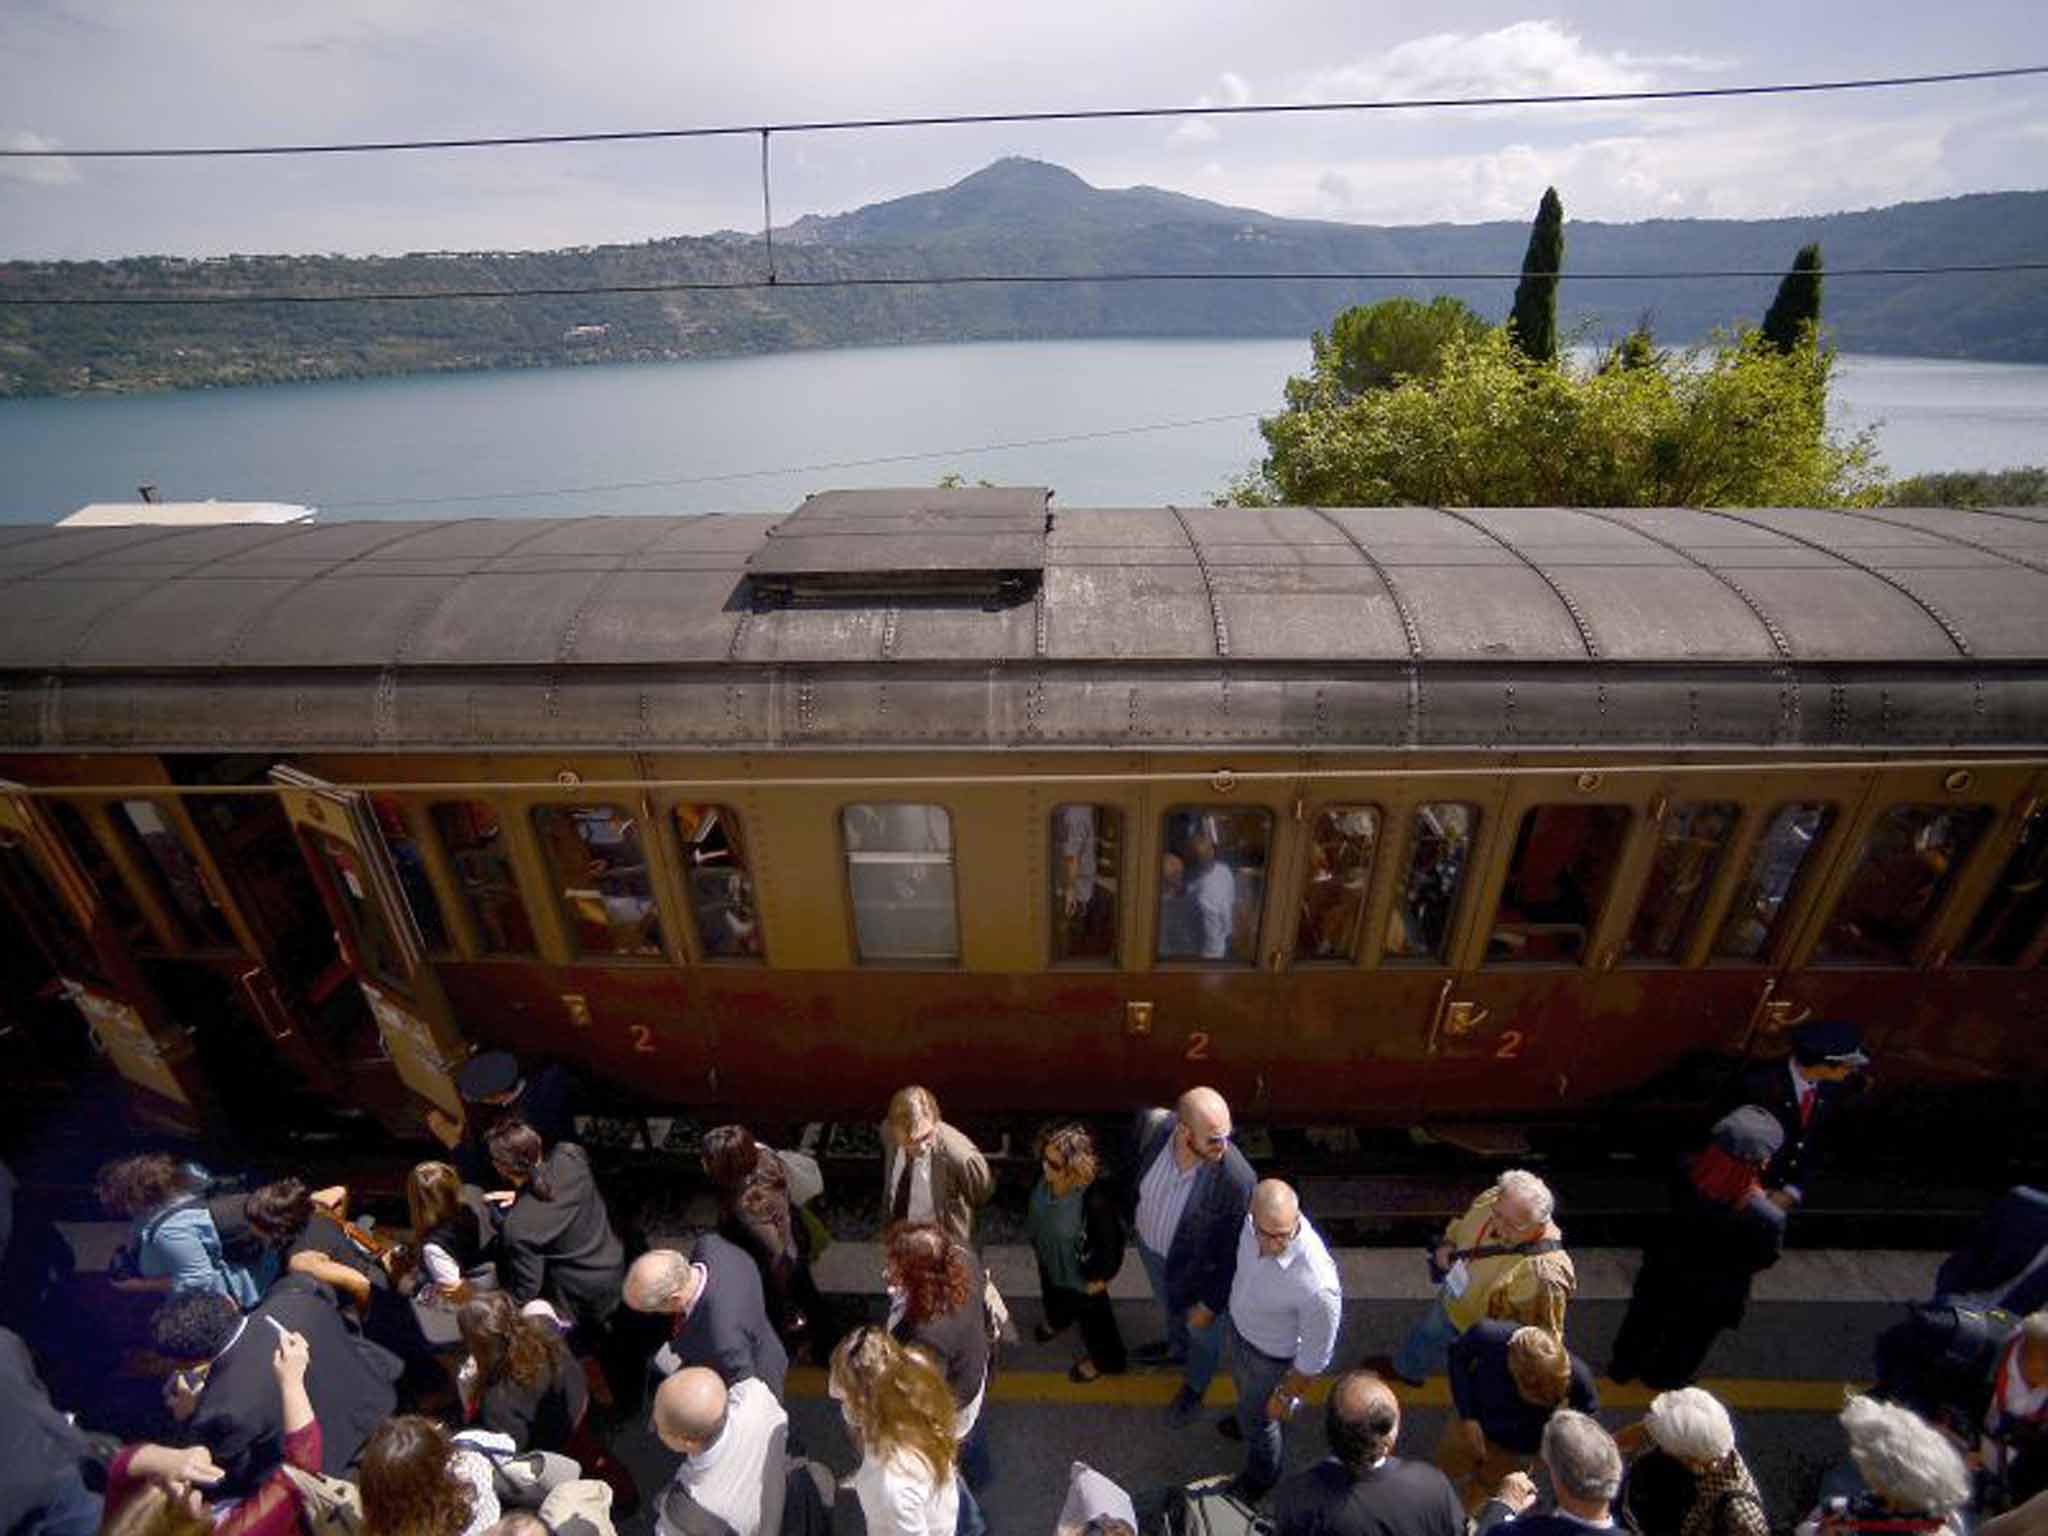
{"x": 1087, "y": 853}
{"x": 721, "y": 886}
{"x": 1691, "y": 843}
{"x": 1777, "y": 864}
{"x": 2010, "y": 919}
{"x": 601, "y": 872}
{"x": 1212, "y": 883}
{"x": 473, "y": 836}
{"x": 92, "y": 857}
{"x": 412, "y": 871}
{"x": 151, "y": 834}
{"x": 1914, "y": 854}
{"x": 1340, "y": 857}
{"x": 1439, "y": 850}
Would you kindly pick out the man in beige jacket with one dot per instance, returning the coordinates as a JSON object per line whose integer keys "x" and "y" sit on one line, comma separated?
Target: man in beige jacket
{"x": 930, "y": 1171}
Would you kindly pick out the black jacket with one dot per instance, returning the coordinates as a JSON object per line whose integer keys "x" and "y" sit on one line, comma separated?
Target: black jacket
{"x": 562, "y": 1249}
{"x": 1203, "y": 1259}
{"x": 1497, "y": 1516}
{"x": 240, "y": 1417}
{"x": 728, "y": 1329}
{"x": 546, "y": 1103}
{"x": 1482, "y": 1389}
{"x": 1769, "y": 1086}
{"x": 958, "y": 1338}
{"x": 543, "y": 1416}
{"x": 1396, "y": 1498}
{"x": 1717, "y": 1249}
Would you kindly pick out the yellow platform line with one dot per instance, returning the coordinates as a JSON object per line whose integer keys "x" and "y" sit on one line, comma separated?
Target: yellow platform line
{"x": 1155, "y": 1389}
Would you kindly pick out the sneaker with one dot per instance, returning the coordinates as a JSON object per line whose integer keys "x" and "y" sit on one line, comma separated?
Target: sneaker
{"x": 1183, "y": 1410}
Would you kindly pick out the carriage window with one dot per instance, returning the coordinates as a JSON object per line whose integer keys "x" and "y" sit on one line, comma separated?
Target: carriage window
{"x": 151, "y": 834}
{"x": 1564, "y": 862}
{"x": 1340, "y": 854}
{"x": 474, "y": 838}
{"x": 1087, "y": 852}
{"x": 47, "y": 917}
{"x": 1438, "y": 852}
{"x": 1914, "y": 853}
{"x": 1212, "y": 883}
{"x": 91, "y": 856}
{"x": 1690, "y": 845}
{"x": 721, "y": 887}
{"x": 601, "y": 872}
{"x": 899, "y": 866}
{"x": 412, "y": 871}
{"x": 2011, "y": 916}
{"x": 1776, "y": 864}
{"x": 350, "y": 882}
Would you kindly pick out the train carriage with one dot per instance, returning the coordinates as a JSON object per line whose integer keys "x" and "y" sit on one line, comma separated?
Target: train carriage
{"x": 1469, "y": 819}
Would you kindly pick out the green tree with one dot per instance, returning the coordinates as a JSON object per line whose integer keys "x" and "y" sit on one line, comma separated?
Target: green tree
{"x": 1370, "y": 346}
{"x": 1535, "y": 314}
{"x": 1737, "y": 423}
{"x": 1796, "y": 309}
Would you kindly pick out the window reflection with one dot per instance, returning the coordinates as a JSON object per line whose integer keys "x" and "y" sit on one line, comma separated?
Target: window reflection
{"x": 380, "y": 951}
{"x": 412, "y": 870}
{"x": 899, "y": 868}
{"x": 1439, "y": 849}
{"x": 1776, "y": 864}
{"x": 1565, "y": 858}
{"x": 1087, "y": 847}
{"x": 474, "y": 839}
{"x": 2009, "y": 920}
{"x": 594, "y": 851}
{"x": 1914, "y": 853}
{"x": 1690, "y": 847}
{"x": 151, "y": 834}
{"x": 721, "y": 888}
{"x": 1340, "y": 855}
{"x": 1212, "y": 884}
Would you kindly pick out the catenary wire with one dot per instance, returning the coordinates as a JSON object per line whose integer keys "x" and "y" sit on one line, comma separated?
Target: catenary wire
{"x": 956, "y": 280}
{"x": 794, "y": 469}
{"x": 1084, "y": 114}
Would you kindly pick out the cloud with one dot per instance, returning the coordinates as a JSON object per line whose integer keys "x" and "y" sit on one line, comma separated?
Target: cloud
{"x": 37, "y": 173}
{"x": 1193, "y": 132}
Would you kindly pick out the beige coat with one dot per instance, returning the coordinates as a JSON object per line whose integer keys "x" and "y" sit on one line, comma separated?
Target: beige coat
{"x": 960, "y": 1181}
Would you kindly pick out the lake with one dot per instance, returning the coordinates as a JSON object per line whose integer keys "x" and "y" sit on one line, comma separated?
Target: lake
{"x": 1102, "y": 422}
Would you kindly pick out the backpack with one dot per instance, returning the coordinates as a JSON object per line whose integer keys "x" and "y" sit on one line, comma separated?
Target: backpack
{"x": 1939, "y": 1361}
{"x": 1209, "y": 1508}
{"x": 328, "y": 1506}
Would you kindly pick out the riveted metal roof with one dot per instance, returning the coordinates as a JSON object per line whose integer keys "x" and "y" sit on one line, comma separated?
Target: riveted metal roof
{"x": 1286, "y": 625}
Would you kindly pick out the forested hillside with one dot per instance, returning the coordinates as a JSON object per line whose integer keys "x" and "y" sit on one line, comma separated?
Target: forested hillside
{"x": 1016, "y": 216}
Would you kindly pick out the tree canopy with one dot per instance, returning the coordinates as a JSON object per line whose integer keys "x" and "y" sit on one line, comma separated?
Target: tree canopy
{"x": 1371, "y": 346}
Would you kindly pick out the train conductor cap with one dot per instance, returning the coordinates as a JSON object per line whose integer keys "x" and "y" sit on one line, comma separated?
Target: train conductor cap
{"x": 488, "y": 1075}
{"x": 1828, "y": 1043}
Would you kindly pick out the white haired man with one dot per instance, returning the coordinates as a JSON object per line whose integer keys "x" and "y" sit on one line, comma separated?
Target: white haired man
{"x": 1692, "y": 1428}
{"x": 1910, "y": 1471}
{"x": 719, "y": 1318}
{"x": 1503, "y": 1259}
{"x": 1585, "y": 1474}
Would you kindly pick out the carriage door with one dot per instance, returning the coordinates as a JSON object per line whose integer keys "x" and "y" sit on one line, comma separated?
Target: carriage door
{"x": 337, "y": 831}
{"x": 70, "y": 922}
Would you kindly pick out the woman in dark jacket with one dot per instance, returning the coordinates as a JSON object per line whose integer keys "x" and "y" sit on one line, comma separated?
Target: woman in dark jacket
{"x": 756, "y": 1214}
{"x": 527, "y": 1384}
{"x": 1076, "y": 1227}
{"x": 935, "y": 1295}
{"x": 1722, "y": 1232}
{"x": 556, "y": 1241}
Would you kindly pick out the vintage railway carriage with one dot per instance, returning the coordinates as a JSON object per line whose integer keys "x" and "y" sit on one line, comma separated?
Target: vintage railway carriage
{"x": 1399, "y": 816}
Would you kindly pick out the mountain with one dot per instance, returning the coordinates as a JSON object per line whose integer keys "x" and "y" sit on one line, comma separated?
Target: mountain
{"x": 1015, "y": 216}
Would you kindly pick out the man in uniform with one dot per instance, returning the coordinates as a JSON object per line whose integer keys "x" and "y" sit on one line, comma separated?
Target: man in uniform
{"x": 1803, "y": 1092}
{"x": 492, "y": 1086}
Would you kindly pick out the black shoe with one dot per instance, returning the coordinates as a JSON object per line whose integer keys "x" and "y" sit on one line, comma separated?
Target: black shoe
{"x": 1045, "y": 1333}
{"x": 1154, "y": 1353}
{"x": 1184, "y": 1409}
{"x": 1229, "y": 1428}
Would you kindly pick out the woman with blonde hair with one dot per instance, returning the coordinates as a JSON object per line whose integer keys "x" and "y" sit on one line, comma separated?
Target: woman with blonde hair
{"x": 1506, "y": 1381}
{"x": 900, "y": 1415}
{"x": 1076, "y": 1226}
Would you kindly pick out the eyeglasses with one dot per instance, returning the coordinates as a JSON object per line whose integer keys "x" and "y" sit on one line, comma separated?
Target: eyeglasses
{"x": 1277, "y": 1237}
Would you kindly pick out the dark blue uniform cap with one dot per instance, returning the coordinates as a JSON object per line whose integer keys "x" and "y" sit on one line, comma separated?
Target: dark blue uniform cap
{"x": 486, "y": 1075}
{"x": 1829, "y": 1042}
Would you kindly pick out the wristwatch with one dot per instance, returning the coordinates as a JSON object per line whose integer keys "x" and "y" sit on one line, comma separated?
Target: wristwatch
{"x": 1293, "y": 1402}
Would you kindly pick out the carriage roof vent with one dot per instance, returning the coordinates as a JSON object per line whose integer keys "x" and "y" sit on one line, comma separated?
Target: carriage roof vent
{"x": 981, "y": 545}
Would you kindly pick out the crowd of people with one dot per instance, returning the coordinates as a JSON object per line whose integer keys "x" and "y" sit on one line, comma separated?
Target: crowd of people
{"x": 320, "y": 1377}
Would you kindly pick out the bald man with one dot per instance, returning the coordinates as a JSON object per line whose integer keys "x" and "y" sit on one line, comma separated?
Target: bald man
{"x": 735, "y": 1468}
{"x": 1362, "y": 1488}
{"x": 1187, "y": 1200}
{"x": 1285, "y": 1307}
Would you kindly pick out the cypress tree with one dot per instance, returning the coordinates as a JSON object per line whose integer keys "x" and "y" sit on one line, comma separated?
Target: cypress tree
{"x": 1798, "y": 302}
{"x": 1535, "y": 313}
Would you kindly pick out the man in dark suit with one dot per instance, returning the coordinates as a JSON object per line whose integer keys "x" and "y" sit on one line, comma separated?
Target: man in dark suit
{"x": 226, "y": 1391}
{"x": 1188, "y": 1198}
{"x": 1585, "y": 1474}
{"x": 1802, "y": 1093}
{"x": 720, "y": 1320}
{"x": 1362, "y": 1488}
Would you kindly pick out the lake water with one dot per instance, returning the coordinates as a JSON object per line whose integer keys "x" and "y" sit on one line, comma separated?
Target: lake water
{"x": 757, "y": 433}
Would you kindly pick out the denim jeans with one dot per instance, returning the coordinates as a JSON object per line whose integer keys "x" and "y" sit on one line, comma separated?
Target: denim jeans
{"x": 1427, "y": 1349}
{"x": 970, "y": 1521}
{"x": 1201, "y": 1348}
{"x": 1257, "y": 1376}
{"x": 977, "y": 1466}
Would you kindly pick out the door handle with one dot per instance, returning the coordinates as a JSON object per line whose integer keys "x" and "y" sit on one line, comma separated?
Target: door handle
{"x": 265, "y": 1004}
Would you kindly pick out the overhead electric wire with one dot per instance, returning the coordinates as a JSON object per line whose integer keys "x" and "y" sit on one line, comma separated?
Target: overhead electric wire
{"x": 1080, "y": 114}
{"x": 794, "y": 469}
{"x": 955, "y": 280}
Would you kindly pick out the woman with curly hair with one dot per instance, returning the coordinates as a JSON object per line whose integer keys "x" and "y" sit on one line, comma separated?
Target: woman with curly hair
{"x": 900, "y": 1415}
{"x": 756, "y": 1214}
{"x": 936, "y": 1303}
{"x": 1076, "y": 1227}
{"x": 416, "y": 1481}
{"x": 177, "y": 1244}
{"x": 521, "y": 1378}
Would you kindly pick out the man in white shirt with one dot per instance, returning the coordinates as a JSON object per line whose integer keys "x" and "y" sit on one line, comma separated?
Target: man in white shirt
{"x": 735, "y": 1466}
{"x": 1213, "y": 888}
{"x": 1285, "y": 1307}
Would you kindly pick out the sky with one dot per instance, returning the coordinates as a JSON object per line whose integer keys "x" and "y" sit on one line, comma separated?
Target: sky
{"x": 117, "y": 73}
